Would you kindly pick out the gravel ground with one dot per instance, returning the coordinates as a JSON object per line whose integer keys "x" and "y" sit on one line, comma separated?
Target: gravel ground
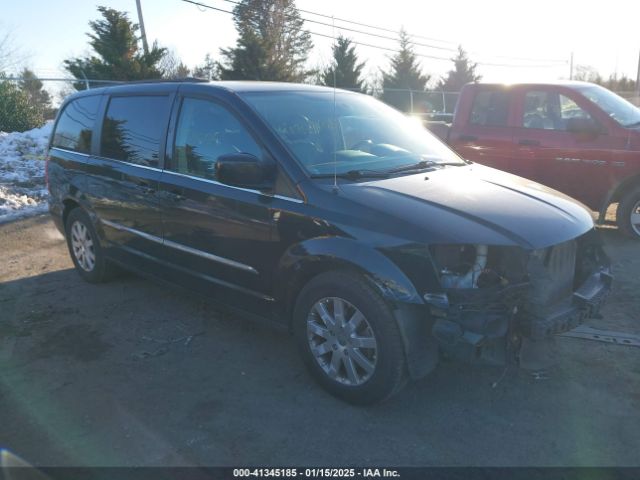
{"x": 132, "y": 373}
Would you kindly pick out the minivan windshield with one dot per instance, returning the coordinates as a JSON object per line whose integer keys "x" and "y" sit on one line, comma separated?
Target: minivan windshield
{"x": 348, "y": 133}
{"x": 622, "y": 111}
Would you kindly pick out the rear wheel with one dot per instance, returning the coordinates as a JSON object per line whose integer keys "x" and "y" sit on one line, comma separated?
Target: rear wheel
{"x": 84, "y": 247}
{"x": 628, "y": 213}
{"x": 349, "y": 339}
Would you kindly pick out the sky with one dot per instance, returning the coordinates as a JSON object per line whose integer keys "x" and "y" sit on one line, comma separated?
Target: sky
{"x": 511, "y": 40}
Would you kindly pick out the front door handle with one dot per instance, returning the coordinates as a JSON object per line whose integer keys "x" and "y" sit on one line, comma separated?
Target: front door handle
{"x": 468, "y": 138}
{"x": 531, "y": 143}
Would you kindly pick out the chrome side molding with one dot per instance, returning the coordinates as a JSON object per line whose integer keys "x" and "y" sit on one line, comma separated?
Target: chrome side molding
{"x": 182, "y": 248}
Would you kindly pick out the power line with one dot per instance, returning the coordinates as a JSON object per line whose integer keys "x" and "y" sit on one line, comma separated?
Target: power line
{"x": 454, "y": 50}
{"x": 379, "y": 47}
{"x": 433, "y": 57}
{"x": 357, "y": 31}
{"x": 382, "y": 29}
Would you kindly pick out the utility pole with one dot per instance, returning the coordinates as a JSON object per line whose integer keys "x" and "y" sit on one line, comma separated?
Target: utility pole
{"x": 571, "y": 67}
{"x": 145, "y": 45}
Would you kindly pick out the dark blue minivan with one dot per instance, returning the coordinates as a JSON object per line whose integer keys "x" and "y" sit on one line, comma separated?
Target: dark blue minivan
{"x": 326, "y": 212}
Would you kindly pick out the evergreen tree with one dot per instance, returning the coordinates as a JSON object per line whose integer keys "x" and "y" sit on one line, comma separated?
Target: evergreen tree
{"x": 38, "y": 97}
{"x": 16, "y": 112}
{"x": 272, "y": 44}
{"x": 346, "y": 67}
{"x": 117, "y": 53}
{"x": 208, "y": 70}
{"x": 464, "y": 71}
{"x": 406, "y": 74}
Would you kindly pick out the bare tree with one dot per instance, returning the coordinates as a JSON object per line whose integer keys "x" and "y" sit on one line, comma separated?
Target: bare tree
{"x": 587, "y": 73}
{"x": 11, "y": 56}
{"x": 172, "y": 66}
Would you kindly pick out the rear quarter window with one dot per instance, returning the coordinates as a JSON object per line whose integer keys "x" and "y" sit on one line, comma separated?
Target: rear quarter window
{"x": 133, "y": 129}
{"x": 75, "y": 126}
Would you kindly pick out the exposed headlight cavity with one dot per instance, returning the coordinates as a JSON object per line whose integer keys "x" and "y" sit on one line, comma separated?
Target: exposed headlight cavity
{"x": 478, "y": 266}
{"x": 472, "y": 261}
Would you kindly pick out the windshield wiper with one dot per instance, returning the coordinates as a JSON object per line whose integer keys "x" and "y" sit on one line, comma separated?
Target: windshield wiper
{"x": 423, "y": 165}
{"x": 353, "y": 174}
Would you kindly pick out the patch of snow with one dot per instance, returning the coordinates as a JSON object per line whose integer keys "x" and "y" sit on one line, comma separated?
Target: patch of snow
{"x": 22, "y": 163}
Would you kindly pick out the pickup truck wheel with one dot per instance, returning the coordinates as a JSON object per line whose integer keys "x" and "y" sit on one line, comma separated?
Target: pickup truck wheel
{"x": 628, "y": 214}
{"x": 84, "y": 248}
{"x": 349, "y": 339}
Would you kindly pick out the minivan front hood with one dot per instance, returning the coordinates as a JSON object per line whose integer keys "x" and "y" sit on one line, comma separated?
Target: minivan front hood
{"x": 476, "y": 204}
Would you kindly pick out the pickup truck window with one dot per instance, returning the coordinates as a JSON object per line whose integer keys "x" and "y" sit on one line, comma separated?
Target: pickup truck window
{"x": 490, "y": 109}
{"x": 550, "y": 111}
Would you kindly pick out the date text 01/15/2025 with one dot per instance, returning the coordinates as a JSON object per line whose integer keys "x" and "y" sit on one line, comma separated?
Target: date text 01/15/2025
{"x": 316, "y": 472}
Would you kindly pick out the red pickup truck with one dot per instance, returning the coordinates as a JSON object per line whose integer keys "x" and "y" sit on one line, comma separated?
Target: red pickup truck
{"x": 576, "y": 137}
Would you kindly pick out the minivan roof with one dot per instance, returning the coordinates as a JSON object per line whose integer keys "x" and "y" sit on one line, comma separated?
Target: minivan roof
{"x": 563, "y": 83}
{"x": 231, "y": 86}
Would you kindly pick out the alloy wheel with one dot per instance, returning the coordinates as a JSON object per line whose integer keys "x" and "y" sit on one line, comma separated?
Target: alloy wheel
{"x": 342, "y": 341}
{"x": 82, "y": 245}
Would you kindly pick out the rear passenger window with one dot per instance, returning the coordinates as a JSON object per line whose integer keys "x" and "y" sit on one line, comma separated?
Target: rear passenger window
{"x": 73, "y": 131}
{"x": 490, "y": 109}
{"x": 206, "y": 131}
{"x": 133, "y": 128}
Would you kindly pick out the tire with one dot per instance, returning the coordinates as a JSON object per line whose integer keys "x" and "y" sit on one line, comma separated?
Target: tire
{"x": 628, "y": 214}
{"x": 361, "y": 362}
{"x": 85, "y": 249}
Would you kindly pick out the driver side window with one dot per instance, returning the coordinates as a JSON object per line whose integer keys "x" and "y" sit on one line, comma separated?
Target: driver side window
{"x": 204, "y": 132}
{"x": 550, "y": 111}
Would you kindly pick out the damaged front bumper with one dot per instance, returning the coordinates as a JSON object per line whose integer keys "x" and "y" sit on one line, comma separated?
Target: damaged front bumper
{"x": 586, "y": 302}
{"x": 488, "y": 323}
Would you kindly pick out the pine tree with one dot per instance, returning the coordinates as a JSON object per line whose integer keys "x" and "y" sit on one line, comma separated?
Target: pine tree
{"x": 272, "y": 44}
{"x": 464, "y": 71}
{"x": 406, "y": 74}
{"x": 38, "y": 97}
{"x": 117, "y": 53}
{"x": 347, "y": 69}
{"x": 17, "y": 114}
{"x": 208, "y": 70}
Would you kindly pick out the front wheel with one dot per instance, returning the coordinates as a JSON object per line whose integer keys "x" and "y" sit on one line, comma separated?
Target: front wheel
{"x": 628, "y": 214}
{"x": 349, "y": 339}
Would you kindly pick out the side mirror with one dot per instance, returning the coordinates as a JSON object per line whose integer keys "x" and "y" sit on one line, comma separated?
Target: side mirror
{"x": 585, "y": 126}
{"x": 246, "y": 170}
